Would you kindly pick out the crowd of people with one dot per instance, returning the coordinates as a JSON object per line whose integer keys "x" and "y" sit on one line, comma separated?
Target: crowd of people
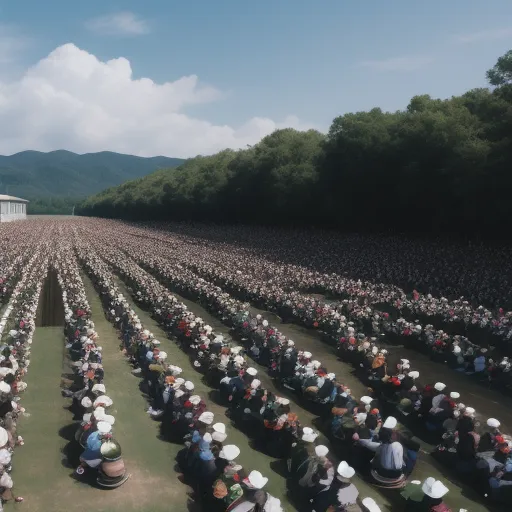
{"x": 99, "y": 452}
{"x": 371, "y": 435}
{"x": 17, "y": 327}
{"x": 276, "y": 286}
{"x": 295, "y": 369}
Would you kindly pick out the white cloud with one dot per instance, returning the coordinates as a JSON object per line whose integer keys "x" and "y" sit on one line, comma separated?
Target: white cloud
{"x": 71, "y": 100}
{"x": 485, "y": 35}
{"x": 120, "y": 23}
{"x": 397, "y": 63}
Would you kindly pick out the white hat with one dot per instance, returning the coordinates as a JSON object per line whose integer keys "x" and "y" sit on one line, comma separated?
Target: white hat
{"x": 367, "y": 400}
{"x": 331, "y": 376}
{"x": 103, "y": 399}
{"x": 86, "y": 402}
{"x": 252, "y": 371}
{"x": 309, "y": 435}
{"x": 321, "y": 450}
{"x": 195, "y": 399}
{"x": 454, "y": 395}
{"x": 4, "y": 387}
{"x": 206, "y": 417}
{"x": 457, "y": 349}
{"x": 345, "y": 470}
{"x": 4, "y": 437}
{"x": 370, "y": 505}
{"x": 178, "y": 382}
{"x": 219, "y": 427}
{"x": 405, "y": 361}
{"x": 361, "y": 417}
{"x": 179, "y": 393}
{"x": 439, "y": 386}
{"x": 99, "y": 388}
{"x": 434, "y": 488}
{"x": 108, "y": 418}
{"x": 413, "y": 375}
{"x": 283, "y": 401}
{"x": 162, "y": 356}
{"x": 189, "y": 386}
{"x": 256, "y": 480}
{"x": 104, "y": 427}
{"x": 307, "y": 355}
{"x": 255, "y": 384}
{"x": 219, "y": 437}
{"x": 469, "y": 410}
{"x": 207, "y": 437}
{"x": 493, "y": 423}
{"x": 229, "y": 452}
{"x": 87, "y": 417}
{"x": 390, "y": 422}
{"x": 5, "y": 456}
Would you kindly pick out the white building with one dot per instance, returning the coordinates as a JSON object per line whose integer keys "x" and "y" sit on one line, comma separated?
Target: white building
{"x": 12, "y": 208}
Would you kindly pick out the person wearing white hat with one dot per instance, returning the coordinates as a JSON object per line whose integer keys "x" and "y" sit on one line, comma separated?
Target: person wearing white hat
{"x": 440, "y": 396}
{"x": 342, "y": 493}
{"x": 206, "y": 418}
{"x": 92, "y": 457}
{"x": 255, "y": 480}
{"x": 388, "y": 463}
{"x": 434, "y": 491}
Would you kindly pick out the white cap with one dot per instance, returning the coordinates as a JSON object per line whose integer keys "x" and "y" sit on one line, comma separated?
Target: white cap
{"x": 256, "y": 480}
{"x": 103, "y": 399}
{"x": 370, "y": 505}
{"x": 307, "y": 355}
{"x": 309, "y": 435}
{"x": 99, "y": 388}
{"x": 469, "y": 410}
{"x": 219, "y": 437}
{"x": 252, "y": 371}
{"x": 206, "y": 417}
{"x": 195, "y": 399}
{"x": 361, "y": 417}
{"x": 434, "y": 488}
{"x": 321, "y": 450}
{"x": 367, "y": 400}
{"x": 4, "y": 437}
{"x": 390, "y": 422}
{"x": 219, "y": 427}
{"x": 345, "y": 470}
{"x": 439, "y": 386}
{"x": 207, "y": 437}
{"x": 414, "y": 375}
{"x": 189, "y": 386}
{"x": 86, "y": 402}
{"x": 104, "y": 427}
{"x": 255, "y": 384}
{"x": 493, "y": 423}
{"x": 229, "y": 452}
{"x": 454, "y": 395}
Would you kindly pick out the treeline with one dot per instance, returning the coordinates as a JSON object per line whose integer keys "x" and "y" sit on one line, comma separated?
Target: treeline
{"x": 439, "y": 165}
{"x": 53, "y": 205}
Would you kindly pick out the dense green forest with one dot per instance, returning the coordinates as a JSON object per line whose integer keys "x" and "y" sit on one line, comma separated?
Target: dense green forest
{"x": 62, "y": 174}
{"x": 438, "y": 165}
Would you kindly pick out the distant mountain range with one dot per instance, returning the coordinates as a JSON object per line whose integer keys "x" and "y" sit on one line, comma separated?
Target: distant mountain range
{"x": 33, "y": 174}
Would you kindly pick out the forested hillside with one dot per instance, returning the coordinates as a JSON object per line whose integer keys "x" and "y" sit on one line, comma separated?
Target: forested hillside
{"x": 63, "y": 174}
{"x": 437, "y": 165}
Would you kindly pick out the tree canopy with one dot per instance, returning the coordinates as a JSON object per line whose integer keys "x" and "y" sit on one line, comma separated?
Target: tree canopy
{"x": 438, "y": 165}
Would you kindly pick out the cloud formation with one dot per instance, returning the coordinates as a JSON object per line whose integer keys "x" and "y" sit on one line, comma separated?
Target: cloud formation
{"x": 485, "y": 35}
{"x": 121, "y": 23}
{"x": 71, "y": 100}
{"x": 398, "y": 63}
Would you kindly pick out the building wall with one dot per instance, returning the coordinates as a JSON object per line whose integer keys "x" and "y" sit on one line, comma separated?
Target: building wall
{"x": 10, "y": 210}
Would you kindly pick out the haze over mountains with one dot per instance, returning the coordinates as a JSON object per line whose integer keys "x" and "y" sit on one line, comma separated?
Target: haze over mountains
{"x": 33, "y": 174}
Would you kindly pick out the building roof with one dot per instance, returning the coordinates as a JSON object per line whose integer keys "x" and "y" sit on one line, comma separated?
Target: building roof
{"x": 3, "y": 197}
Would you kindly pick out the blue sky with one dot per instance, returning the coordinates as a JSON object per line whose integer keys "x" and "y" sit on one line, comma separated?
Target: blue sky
{"x": 274, "y": 58}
